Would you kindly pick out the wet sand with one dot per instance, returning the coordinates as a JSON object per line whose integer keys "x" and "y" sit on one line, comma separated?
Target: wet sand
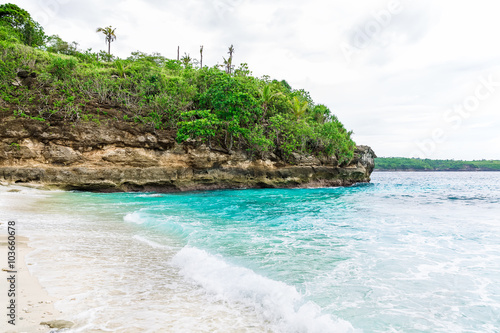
{"x": 33, "y": 304}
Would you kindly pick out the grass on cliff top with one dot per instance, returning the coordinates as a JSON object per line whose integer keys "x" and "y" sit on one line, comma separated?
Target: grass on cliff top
{"x": 227, "y": 109}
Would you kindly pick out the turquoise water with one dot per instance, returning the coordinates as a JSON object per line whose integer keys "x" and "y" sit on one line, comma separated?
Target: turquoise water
{"x": 410, "y": 252}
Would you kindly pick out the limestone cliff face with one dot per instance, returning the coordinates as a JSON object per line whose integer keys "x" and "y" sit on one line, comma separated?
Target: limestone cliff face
{"x": 125, "y": 157}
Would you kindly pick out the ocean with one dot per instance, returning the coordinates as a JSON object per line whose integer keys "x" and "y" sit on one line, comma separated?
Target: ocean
{"x": 409, "y": 252}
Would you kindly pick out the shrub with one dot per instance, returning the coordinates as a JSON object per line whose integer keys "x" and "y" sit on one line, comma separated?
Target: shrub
{"x": 62, "y": 68}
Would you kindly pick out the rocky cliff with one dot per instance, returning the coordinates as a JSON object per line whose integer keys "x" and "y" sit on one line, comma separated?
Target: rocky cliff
{"x": 122, "y": 156}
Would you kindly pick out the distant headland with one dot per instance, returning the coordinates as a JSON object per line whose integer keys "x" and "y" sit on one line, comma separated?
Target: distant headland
{"x": 417, "y": 164}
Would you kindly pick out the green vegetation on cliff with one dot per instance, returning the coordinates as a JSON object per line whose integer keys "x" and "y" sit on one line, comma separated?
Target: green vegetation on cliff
{"x": 401, "y": 163}
{"x": 47, "y": 79}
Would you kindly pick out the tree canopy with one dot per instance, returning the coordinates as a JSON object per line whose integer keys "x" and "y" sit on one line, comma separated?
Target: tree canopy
{"x": 29, "y": 31}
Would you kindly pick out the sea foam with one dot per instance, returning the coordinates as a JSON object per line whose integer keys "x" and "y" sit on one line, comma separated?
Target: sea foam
{"x": 134, "y": 217}
{"x": 151, "y": 243}
{"x": 277, "y": 303}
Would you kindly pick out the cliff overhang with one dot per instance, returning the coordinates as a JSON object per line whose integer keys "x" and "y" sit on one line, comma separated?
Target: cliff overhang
{"x": 125, "y": 157}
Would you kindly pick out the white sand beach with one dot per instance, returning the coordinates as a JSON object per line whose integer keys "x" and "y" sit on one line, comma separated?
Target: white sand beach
{"x": 33, "y": 304}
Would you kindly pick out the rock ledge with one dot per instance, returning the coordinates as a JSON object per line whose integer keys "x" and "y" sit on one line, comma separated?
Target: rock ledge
{"x": 121, "y": 157}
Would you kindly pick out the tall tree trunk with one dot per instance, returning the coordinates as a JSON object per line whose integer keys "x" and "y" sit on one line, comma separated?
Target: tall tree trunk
{"x": 178, "y": 52}
{"x": 201, "y": 56}
{"x": 230, "y": 60}
{"x": 231, "y": 141}
{"x": 109, "y": 47}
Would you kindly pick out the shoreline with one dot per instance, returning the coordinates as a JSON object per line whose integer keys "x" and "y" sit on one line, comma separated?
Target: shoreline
{"x": 163, "y": 190}
{"x": 33, "y": 304}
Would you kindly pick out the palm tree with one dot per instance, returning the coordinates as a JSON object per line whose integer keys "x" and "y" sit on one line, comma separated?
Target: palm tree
{"x": 267, "y": 97}
{"x": 109, "y": 32}
{"x": 186, "y": 59}
{"x": 229, "y": 61}
{"x": 201, "y": 56}
{"x": 298, "y": 107}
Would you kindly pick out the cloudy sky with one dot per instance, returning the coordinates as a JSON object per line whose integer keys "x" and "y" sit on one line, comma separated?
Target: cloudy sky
{"x": 410, "y": 78}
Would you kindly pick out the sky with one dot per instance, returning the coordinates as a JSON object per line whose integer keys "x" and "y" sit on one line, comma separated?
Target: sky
{"x": 410, "y": 78}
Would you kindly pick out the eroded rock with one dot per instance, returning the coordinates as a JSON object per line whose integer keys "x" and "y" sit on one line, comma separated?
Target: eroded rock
{"x": 121, "y": 157}
{"x": 59, "y": 324}
{"x": 61, "y": 155}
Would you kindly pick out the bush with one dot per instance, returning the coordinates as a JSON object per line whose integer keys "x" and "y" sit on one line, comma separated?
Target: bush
{"x": 62, "y": 68}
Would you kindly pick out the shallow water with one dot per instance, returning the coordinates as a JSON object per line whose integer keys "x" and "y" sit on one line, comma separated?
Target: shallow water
{"x": 410, "y": 252}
